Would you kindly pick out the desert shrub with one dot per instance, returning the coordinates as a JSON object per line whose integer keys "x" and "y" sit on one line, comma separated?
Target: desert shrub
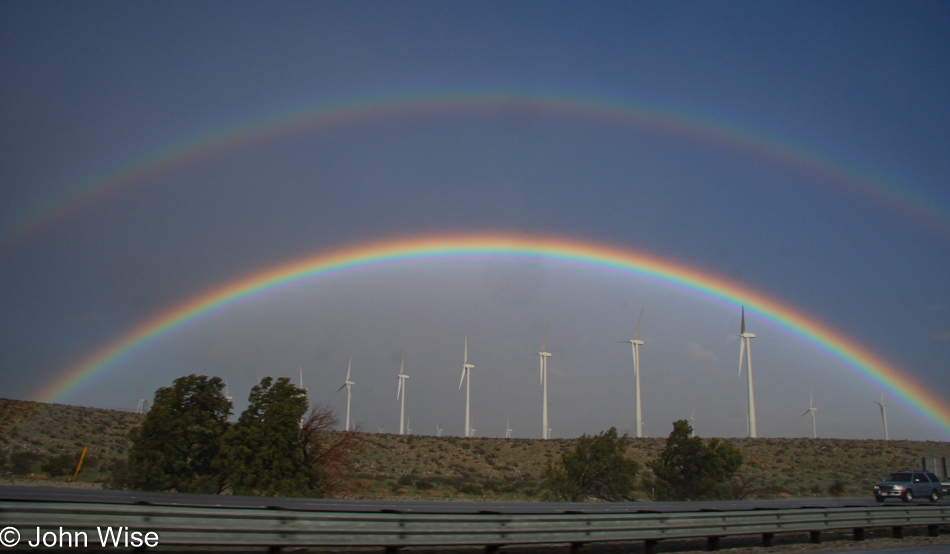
{"x": 837, "y": 488}
{"x": 405, "y": 480}
{"x": 58, "y": 466}
{"x": 470, "y": 488}
{"x": 597, "y": 468}
{"x": 423, "y": 485}
{"x": 23, "y": 462}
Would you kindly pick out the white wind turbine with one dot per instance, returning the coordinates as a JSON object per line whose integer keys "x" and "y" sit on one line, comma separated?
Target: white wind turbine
{"x": 508, "y": 428}
{"x": 544, "y": 355}
{"x": 408, "y": 429}
{"x": 745, "y": 344}
{"x": 401, "y": 394}
{"x": 467, "y": 377}
{"x": 349, "y": 393}
{"x": 692, "y": 420}
{"x": 883, "y": 406}
{"x": 301, "y": 381}
{"x": 472, "y": 430}
{"x": 143, "y": 404}
{"x": 635, "y": 347}
{"x": 438, "y": 430}
{"x": 811, "y": 410}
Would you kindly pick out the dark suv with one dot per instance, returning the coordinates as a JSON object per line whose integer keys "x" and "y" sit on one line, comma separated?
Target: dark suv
{"x": 908, "y": 485}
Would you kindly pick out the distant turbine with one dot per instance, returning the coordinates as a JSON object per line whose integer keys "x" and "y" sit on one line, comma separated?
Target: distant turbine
{"x": 635, "y": 347}
{"x": 378, "y": 426}
{"x": 472, "y": 430}
{"x": 692, "y": 420}
{"x": 349, "y": 393}
{"x": 408, "y": 429}
{"x": 745, "y": 344}
{"x": 508, "y": 428}
{"x": 543, "y": 355}
{"x": 143, "y": 404}
{"x": 438, "y": 430}
{"x": 883, "y": 406}
{"x": 227, "y": 396}
{"x": 301, "y": 380}
{"x": 467, "y": 377}
{"x": 401, "y": 393}
{"x": 812, "y": 409}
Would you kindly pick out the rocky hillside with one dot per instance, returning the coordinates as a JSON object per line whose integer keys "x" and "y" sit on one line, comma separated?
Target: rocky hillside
{"x": 392, "y": 466}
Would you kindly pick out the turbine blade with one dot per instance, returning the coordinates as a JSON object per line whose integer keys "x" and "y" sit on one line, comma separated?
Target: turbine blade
{"x": 462, "y": 380}
{"x": 545, "y": 343}
{"x": 806, "y": 413}
{"x": 465, "y": 356}
{"x": 741, "y": 353}
{"x": 637, "y": 329}
{"x": 403, "y": 364}
{"x": 742, "y": 325}
{"x": 348, "y": 368}
{"x": 341, "y": 387}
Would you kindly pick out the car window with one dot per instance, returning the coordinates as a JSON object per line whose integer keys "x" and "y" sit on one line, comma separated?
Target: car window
{"x": 899, "y": 477}
{"x": 932, "y": 477}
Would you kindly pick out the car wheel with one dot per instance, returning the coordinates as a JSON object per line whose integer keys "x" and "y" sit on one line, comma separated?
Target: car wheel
{"x": 908, "y": 496}
{"x": 934, "y": 495}
{"x": 879, "y": 498}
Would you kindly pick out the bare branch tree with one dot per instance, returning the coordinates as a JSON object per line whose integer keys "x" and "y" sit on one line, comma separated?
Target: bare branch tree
{"x": 333, "y": 452}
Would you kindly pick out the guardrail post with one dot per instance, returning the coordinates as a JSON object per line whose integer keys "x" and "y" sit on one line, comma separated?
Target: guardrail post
{"x": 650, "y": 546}
{"x": 816, "y": 537}
{"x": 712, "y": 544}
{"x": 897, "y": 532}
{"x": 768, "y": 539}
{"x": 859, "y": 533}
{"x": 933, "y": 531}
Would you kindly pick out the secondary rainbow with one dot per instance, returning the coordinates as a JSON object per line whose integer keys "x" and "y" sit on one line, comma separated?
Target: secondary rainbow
{"x": 588, "y": 255}
{"x": 391, "y": 107}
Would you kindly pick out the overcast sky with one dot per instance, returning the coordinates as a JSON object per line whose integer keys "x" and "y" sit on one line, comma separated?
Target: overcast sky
{"x": 800, "y": 149}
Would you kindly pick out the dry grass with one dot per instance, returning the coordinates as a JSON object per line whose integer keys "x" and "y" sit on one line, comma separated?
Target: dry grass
{"x": 393, "y": 466}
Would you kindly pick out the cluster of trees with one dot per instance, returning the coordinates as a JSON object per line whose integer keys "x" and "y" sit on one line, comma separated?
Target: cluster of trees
{"x": 688, "y": 468}
{"x": 186, "y": 443}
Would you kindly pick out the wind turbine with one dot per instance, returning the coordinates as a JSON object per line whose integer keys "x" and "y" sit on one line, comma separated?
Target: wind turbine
{"x": 812, "y": 409}
{"x": 472, "y": 430}
{"x": 467, "y": 372}
{"x": 301, "y": 381}
{"x": 635, "y": 347}
{"x": 692, "y": 420}
{"x": 543, "y": 355}
{"x": 508, "y": 428}
{"x": 349, "y": 393}
{"x": 438, "y": 429}
{"x": 883, "y": 406}
{"x": 401, "y": 393}
{"x": 745, "y": 344}
{"x": 143, "y": 404}
{"x": 408, "y": 429}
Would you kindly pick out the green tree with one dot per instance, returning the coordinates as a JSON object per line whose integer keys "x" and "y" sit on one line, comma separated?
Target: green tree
{"x": 177, "y": 443}
{"x": 265, "y": 452}
{"x": 690, "y": 469}
{"x": 597, "y": 468}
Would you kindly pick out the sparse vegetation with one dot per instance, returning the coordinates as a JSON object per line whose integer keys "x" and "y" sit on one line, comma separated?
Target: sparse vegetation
{"x": 810, "y": 469}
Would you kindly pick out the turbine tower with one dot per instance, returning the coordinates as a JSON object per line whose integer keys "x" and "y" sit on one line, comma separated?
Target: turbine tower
{"x": 143, "y": 404}
{"x": 544, "y": 355}
{"x": 744, "y": 345}
{"x": 301, "y": 380}
{"x": 401, "y": 394}
{"x": 811, "y": 410}
{"x": 692, "y": 420}
{"x": 883, "y": 406}
{"x": 349, "y": 393}
{"x": 467, "y": 377}
{"x": 635, "y": 346}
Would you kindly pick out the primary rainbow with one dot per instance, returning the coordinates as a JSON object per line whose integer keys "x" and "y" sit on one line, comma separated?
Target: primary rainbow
{"x": 589, "y": 255}
{"x": 393, "y": 106}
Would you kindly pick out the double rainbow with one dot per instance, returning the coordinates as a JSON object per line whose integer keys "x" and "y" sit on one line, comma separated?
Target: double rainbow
{"x": 901, "y": 200}
{"x": 596, "y": 257}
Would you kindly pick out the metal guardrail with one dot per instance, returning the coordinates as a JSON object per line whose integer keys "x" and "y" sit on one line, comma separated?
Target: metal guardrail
{"x": 218, "y": 526}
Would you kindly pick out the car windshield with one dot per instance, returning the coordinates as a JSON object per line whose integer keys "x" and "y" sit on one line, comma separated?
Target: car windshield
{"x": 899, "y": 477}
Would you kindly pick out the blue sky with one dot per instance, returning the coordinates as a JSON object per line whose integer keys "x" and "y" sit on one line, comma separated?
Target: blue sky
{"x": 859, "y": 86}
